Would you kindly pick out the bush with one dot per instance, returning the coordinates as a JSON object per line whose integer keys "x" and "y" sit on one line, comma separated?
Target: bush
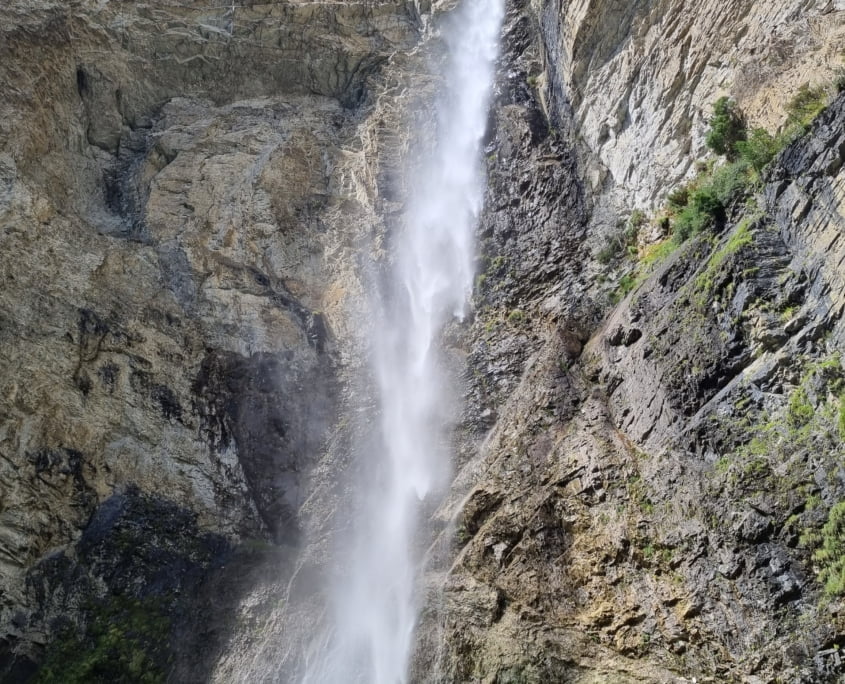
{"x": 706, "y": 201}
{"x": 638, "y": 219}
{"x": 126, "y": 642}
{"x": 688, "y": 223}
{"x": 727, "y": 128}
{"x": 731, "y": 181}
{"x": 678, "y": 198}
{"x": 805, "y": 106}
{"x": 759, "y": 149}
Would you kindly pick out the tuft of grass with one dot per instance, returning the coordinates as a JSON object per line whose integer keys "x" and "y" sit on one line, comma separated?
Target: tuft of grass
{"x": 657, "y": 253}
{"x": 808, "y": 103}
{"x": 740, "y": 237}
{"x": 799, "y": 410}
{"x": 830, "y": 555}
{"x": 626, "y": 284}
{"x": 841, "y": 417}
{"x": 516, "y": 316}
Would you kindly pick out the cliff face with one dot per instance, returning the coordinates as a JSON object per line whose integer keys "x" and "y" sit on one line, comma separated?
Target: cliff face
{"x": 190, "y": 211}
{"x": 638, "y": 79}
{"x": 641, "y": 506}
{"x": 182, "y": 194}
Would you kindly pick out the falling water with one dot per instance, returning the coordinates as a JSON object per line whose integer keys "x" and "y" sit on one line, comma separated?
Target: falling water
{"x": 431, "y": 279}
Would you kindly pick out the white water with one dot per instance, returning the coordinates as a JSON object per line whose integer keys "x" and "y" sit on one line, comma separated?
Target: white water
{"x": 375, "y": 604}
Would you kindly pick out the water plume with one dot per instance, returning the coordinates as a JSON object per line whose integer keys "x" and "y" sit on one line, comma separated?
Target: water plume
{"x": 375, "y": 603}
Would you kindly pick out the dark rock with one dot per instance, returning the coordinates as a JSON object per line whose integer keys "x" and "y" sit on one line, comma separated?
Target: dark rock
{"x": 260, "y": 405}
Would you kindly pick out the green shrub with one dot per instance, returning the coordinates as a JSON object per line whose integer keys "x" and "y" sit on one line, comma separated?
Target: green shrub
{"x": 637, "y": 219}
{"x": 704, "y": 207}
{"x": 727, "y": 128}
{"x": 799, "y": 411}
{"x": 730, "y": 181}
{"x": 807, "y": 104}
{"x": 678, "y": 198}
{"x": 707, "y": 201}
{"x": 688, "y": 223}
{"x": 759, "y": 149}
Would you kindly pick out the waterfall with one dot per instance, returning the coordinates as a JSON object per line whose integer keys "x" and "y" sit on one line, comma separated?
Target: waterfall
{"x": 375, "y": 607}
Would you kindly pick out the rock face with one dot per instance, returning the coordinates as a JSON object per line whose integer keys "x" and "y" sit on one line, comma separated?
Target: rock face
{"x": 182, "y": 194}
{"x": 639, "y": 78}
{"x": 194, "y": 201}
{"x": 642, "y": 478}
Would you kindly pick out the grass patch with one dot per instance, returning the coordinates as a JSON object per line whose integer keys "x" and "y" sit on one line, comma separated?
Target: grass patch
{"x": 808, "y": 103}
{"x": 126, "y": 641}
{"x": 740, "y": 237}
{"x": 810, "y": 422}
{"x": 657, "y": 253}
{"x": 830, "y": 555}
{"x": 516, "y": 316}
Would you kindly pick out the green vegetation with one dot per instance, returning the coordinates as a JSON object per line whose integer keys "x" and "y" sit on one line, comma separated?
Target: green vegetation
{"x": 727, "y": 128}
{"x": 657, "y": 253}
{"x": 626, "y": 284}
{"x": 126, "y": 641}
{"x": 496, "y": 263}
{"x": 799, "y": 410}
{"x": 830, "y": 555}
{"x": 807, "y": 104}
{"x": 703, "y": 202}
{"x": 741, "y": 237}
{"x": 625, "y": 240}
{"x": 637, "y": 491}
{"x": 759, "y": 149}
{"x": 515, "y": 316}
{"x": 809, "y": 424}
{"x": 697, "y": 215}
{"x": 841, "y": 421}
